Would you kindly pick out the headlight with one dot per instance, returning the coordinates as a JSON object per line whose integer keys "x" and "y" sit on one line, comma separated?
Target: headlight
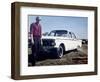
{"x": 53, "y": 43}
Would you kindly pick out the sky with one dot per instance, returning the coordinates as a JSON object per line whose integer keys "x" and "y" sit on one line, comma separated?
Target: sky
{"x": 78, "y": 25}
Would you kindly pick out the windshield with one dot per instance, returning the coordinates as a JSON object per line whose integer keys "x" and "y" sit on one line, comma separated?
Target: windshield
{"x": 58, "y": 33}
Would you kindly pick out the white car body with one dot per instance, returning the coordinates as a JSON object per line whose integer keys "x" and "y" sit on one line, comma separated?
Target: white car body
{"x": 69, "y": 43}
{"x": 59, "y": 41}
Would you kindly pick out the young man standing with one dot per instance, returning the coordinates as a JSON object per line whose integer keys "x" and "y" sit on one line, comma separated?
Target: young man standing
{"x": 36, "y": 34}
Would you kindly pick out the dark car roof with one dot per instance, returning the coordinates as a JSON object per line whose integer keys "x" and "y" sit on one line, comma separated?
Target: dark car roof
{"x": 59, "y": 31}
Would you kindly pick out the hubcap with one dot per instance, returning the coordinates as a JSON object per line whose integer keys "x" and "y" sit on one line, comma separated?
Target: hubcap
{"x": 60, "y": 51}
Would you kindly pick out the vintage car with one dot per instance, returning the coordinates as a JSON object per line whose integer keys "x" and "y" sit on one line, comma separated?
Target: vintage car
{"x": 59, "y": 41}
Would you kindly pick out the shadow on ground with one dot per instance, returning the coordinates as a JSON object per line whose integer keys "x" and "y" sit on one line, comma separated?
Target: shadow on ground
{"x": 44, "y": 56}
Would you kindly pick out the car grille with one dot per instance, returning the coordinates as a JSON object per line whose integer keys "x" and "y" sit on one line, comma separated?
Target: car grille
{"x": 47, "y": 42}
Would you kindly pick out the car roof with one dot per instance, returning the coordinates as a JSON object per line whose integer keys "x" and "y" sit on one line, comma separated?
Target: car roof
{"x": 59, "y": 30}
{"x": 63, "y": 31}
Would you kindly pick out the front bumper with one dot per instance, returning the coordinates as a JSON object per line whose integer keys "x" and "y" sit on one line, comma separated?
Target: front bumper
{"x": 49, "y": 49}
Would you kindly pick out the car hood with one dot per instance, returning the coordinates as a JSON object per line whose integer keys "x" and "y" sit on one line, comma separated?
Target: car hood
{"x": 56, "y": 37}
{"x": 53, "y": 37}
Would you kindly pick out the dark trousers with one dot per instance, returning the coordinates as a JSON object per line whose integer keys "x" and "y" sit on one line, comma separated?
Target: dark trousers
{"x": 36, "y": 47}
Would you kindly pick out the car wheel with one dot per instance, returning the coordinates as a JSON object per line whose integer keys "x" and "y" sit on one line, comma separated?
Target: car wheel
{"x": 60, "y": 52}
{"x": 78, "y": 48}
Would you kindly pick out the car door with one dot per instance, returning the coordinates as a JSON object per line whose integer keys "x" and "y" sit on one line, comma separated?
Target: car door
{"x": 69, "y": 41}
{"x": 74, "y": 41}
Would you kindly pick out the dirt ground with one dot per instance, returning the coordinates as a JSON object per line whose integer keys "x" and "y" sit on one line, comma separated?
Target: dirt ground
{"x": 70, "y": 57}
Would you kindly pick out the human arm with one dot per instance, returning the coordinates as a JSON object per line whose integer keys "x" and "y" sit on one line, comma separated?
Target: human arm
{"x": 31, "y": 33}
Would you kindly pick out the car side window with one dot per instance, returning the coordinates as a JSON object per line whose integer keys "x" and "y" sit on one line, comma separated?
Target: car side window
{"x": 73, "y": 36}
{"x": 69, "y": 35}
